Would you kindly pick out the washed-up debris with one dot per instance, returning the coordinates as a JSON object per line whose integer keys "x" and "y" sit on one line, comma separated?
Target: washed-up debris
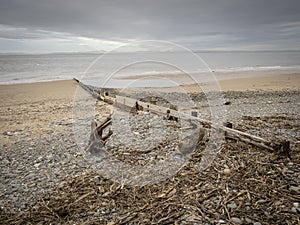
{"x": 248, "y": 193}
{"x": 243, "y": 184}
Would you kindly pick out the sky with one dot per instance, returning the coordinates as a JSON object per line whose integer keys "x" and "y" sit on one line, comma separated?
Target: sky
{"x": 47, "y": 26}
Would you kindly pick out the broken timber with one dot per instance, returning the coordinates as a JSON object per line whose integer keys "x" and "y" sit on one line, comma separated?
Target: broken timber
{"x": 126, "y": 103}
{"x": 97, "y": 139}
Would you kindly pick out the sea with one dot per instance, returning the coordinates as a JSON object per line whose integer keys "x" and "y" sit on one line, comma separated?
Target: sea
{"x": 110, "y": 69}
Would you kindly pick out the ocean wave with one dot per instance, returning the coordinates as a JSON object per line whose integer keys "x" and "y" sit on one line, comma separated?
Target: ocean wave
{"x": 257, "y": 68}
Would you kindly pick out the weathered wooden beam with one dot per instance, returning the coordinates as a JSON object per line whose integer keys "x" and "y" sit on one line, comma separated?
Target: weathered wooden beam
{"x": 102, "y": 125}
{"x": 281, "y": 147}
{"x": 127, "y": 104}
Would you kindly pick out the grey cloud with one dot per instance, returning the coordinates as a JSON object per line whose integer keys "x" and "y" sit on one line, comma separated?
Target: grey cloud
{"x": 9, "y": 32}
{"x": 247, "y": 21}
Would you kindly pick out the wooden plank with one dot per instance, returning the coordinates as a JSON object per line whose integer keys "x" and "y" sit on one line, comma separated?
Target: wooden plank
{"x": 127, "y": 103}
{"x": 229, "y": 132}
{"x": 131, "y": 102}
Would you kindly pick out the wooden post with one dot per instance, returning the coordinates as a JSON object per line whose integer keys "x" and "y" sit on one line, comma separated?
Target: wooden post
{"x": 97, "y": 140}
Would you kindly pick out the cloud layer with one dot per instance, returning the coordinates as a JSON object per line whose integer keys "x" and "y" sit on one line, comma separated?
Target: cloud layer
{"x": 75, "y": 25}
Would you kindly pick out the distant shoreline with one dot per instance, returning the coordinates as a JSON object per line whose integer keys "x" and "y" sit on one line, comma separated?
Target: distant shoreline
{"x": 178, "y": 79}
{"x": 66, "y": 89}
{"x": 16, "y": 69}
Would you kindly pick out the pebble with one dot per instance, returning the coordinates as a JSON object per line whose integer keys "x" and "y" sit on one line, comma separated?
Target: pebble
{"x": 295, "y": 188}
{"x": 293, "y": 210}
{"x": 227, "y": 171}
{"x": 277, "y": 203}
{"x": 232, "y": 205}
{"x": 248, "y": 220}
{"x": 45, "y": 172}
{"x": 7, "y": 133}
{"x": 236, "y": 220}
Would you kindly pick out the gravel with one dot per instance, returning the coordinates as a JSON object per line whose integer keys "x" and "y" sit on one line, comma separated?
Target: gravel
{"x": 37, "y": 157}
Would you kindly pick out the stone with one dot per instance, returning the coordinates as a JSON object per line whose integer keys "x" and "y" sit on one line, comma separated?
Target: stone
{"x": 110, "y": 223}
{"x": 236, "y": 220}
{"x": 277, "y": 203}
{"x": 295, "y": 188}
{"x": 248, "y": 220}
{"x": 293, "y": 210}
{"x": 232, "y": 205}
{"x": 7, "y": 133}
{"x": 227, "y": 171}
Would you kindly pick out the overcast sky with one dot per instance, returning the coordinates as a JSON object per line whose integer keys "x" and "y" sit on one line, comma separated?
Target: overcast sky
{"x": 100, "y": 25}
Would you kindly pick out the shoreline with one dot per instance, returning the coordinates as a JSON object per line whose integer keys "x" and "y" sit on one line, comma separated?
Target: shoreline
{"x": 270, "y": 82}
{"x": 25, "y": 98}
{"x": 258, "y": 81}
{"x": 236, "y": 81}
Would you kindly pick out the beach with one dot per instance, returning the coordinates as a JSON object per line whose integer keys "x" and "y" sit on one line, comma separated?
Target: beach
{"x": 150, "y": 112}
{"x": 41, "y": 163}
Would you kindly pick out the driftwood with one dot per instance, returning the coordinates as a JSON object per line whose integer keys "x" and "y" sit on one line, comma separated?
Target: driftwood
{"x": 97, "y": 139}
{"x": 188, "y": 144}
{"x": 129, "y": 104}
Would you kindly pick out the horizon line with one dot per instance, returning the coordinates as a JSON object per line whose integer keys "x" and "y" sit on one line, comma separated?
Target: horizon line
{"x": 146, "y": 51}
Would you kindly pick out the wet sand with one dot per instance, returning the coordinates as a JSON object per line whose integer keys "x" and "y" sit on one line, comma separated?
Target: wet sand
{"x": 65, "y": 90}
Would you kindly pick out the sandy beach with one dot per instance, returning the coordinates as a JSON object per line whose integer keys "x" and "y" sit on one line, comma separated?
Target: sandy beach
{"x": 41, "y": 164}
{"x": 238, "y": 81}
{"x": 21, "y": 104}
{"x": 271, "y": 82}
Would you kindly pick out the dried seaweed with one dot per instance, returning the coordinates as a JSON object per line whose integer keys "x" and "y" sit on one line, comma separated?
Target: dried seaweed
{"x": 243, "y": 185}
